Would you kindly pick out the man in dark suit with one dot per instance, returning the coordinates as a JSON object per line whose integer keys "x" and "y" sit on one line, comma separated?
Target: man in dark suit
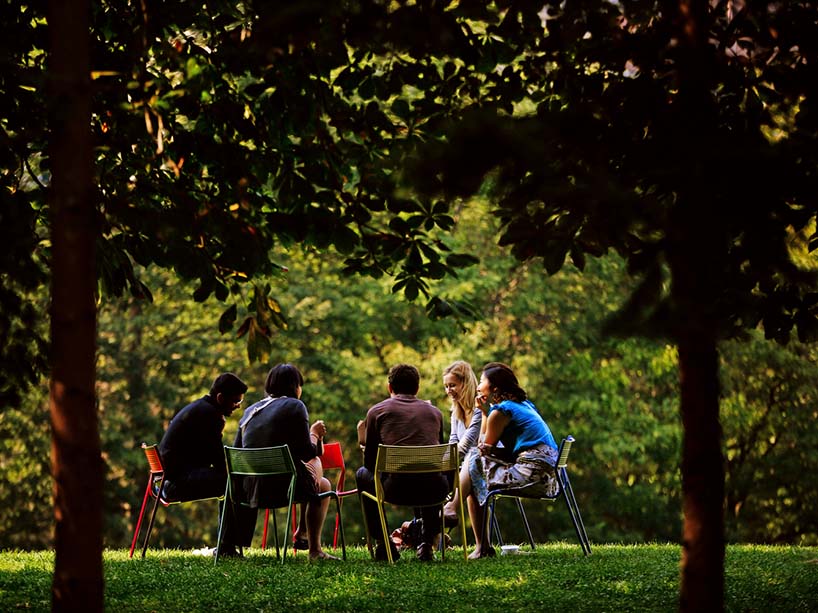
{"x": 192, "y": 450}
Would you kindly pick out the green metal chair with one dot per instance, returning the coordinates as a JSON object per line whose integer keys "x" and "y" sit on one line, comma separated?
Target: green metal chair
{"x": 406, "y": 459}
{"x": 267, "y": 462}
{"x": 565, "y": 491}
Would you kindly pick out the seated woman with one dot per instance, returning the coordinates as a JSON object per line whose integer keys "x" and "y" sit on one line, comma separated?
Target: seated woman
{"x": 530, "y": 449}
{"x": 461, "y": 386}
{"x": 282, "y": 419}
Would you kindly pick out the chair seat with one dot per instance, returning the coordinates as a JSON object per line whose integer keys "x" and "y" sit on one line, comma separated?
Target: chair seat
{"x": 538, "y": 491}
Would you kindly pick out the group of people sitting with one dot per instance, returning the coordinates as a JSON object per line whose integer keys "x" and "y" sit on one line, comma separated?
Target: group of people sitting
{"x": 502, "y": 441}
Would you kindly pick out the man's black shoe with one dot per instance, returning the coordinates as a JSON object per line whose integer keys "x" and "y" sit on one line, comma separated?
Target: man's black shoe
{"x": 380, "y": 552}
{"x": 229, "y": 552}
{"x": 425, "y": 553}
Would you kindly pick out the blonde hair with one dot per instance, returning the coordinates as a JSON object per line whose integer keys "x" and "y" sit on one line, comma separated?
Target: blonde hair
{"x": 463, "y": 405}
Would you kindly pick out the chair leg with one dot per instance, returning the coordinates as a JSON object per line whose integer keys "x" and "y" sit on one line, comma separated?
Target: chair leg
{"x": 294, "y": 525}
{"x": 525, "y": 522}
{"x": 573, "y": 511}
{"x": 141, "y": 515}
{"x": 488, "y": 518}
{"x": 366, "y": 527}
{"x": 221, "y": 529}
{"x": 275, "y": 533}
{"x": 287, "y": 531}
{"x": 442, "y": 544}
{"x": 385, "y": 530}
{"x": 339, "y": 524}
{"x": 153, "y": 517}
{"x": 264, "y": 533}
{"x": 493, "y": 523}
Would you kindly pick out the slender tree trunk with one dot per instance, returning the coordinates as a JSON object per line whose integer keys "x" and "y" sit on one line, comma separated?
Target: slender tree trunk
{"x": 75, "y": 452}
{"x": 702, "y": 569}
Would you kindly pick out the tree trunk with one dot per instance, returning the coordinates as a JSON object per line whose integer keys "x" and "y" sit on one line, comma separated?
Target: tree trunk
{"x": 698, "y": 238}
{"x": 75, "y": 451}
{"x": 702, "y": 569}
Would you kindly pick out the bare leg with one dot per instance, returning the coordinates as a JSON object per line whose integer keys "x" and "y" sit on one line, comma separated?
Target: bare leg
{"x": 450, "y": 508}
{"x": 317, "y": 513}
{"x": 301, "y": 530}
{"x": 477, "y": 515}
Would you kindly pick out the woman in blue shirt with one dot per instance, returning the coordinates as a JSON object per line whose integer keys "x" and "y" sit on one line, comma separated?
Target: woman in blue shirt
{"x": 528, "y": 448}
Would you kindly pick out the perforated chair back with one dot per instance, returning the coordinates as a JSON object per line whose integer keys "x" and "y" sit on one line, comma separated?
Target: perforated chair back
{"x": 258, "y": 462}
{"x": 419, "y": 459}
{"x": 152, "y": 454}
{"x": 414, "y": 460}
{"x": 565, "y": 449}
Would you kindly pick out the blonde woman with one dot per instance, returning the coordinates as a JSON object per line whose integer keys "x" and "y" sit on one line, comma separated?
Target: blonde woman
{"x": 460, "y": 384}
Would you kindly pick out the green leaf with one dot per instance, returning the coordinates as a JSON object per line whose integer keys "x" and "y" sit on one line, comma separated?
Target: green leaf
{"x": 227, "y": 319}
{"x": 203, "y": 291}
{"x": 400, "y": 107}
{"x": 244, "y": 327}
{"x": 461, "y": 260}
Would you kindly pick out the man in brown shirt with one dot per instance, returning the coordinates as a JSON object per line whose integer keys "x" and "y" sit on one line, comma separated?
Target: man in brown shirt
{"x": 403, "y": 419}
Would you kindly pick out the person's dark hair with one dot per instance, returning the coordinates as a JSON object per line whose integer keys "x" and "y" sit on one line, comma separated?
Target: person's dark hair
{"x": 503, "y": 378}
{"x": 228, "y": 384}
{"x": 404, "y": 379}
{"x": 284, "y": 380}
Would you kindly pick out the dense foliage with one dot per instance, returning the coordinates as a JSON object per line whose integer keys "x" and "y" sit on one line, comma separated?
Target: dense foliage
{"x": 618, "y": 397}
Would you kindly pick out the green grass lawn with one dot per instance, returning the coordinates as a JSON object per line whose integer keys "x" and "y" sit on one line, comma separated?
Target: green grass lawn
{"x": 554, "y": 577}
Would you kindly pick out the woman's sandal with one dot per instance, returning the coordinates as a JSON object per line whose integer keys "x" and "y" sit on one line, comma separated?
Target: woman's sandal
{"x": 301, "y": 543}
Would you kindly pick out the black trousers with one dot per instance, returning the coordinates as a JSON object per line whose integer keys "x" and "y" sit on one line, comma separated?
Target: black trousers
{"x": 195, "y": 484}
{"x": 408, "y": 490}
{"x": 259, "y": 493}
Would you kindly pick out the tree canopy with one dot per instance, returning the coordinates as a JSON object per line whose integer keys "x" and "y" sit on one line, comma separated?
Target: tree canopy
{"x": 680, "y": 135}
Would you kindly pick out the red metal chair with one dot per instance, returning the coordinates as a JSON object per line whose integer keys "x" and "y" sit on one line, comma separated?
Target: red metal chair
{"x": 332, "y": 459}
{"x": 156, "y": 479}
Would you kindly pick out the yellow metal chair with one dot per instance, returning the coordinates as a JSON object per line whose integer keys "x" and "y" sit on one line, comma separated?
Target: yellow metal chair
{"x": 413, "y": 460}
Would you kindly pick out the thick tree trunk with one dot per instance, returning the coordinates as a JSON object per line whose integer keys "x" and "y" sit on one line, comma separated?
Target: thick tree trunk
{"x": 75, "y": 451}
{"x": 702, "y": 570}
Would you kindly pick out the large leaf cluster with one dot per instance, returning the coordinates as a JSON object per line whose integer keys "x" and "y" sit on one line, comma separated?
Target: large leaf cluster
{"x": 599, "y": 130}
{"x": 21, "y": 205}
{"x": 247, "y": 125}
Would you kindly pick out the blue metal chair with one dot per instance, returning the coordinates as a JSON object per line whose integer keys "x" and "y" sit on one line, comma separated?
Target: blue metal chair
{"x": 565, "y": 491}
